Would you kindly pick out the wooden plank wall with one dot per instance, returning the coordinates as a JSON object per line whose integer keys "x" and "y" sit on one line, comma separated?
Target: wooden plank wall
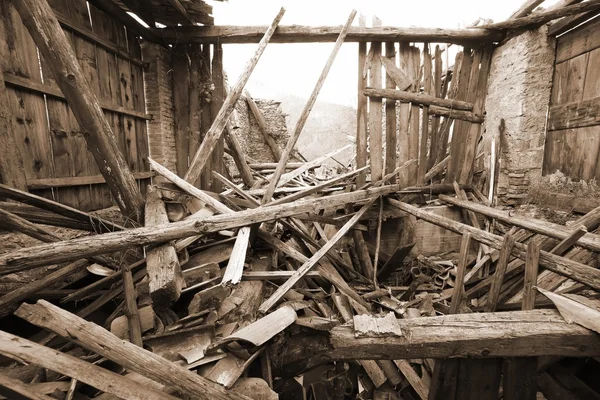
{"x": 415, "y": 132}
{"x": 198, "y": 93}
{"x": 53, "y": 148}
{"x": 573, "y": 137}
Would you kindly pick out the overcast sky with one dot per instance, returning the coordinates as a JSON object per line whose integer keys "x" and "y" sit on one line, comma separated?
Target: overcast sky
{"x": 295, "y": 68}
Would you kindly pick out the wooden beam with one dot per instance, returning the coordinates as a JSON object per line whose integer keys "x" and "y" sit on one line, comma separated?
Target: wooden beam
{"x": 459, "y": 286}
{"x": 27, "y": 351}
{"x": 505, "y": 251}
{"x": 182, "y": 11}
{"x": 563, "y": 25}
{"x": 115, "y": 11}
{"x": 589, "y": 241}
{"x": 305, "y": 113}
{"x": 544, "y": 16}
{"x": 12, "y": 170}
{"x": 134, "y": 358}
{"x": 70, "y": 181}
{"x": 375, "y": 110}
{"x": 53, "y": 45}
{"x": 562, "y": 266}
{"x": 318, "y": 34}
{"x": 475, "y": 335}
{"x": 162, "y": 264}
{"x": 361, "y": 109}
{"x": 12, "y": 388}
{"x": 526, "y": 8}
{"x": 68, "y": 250}
{"x": 237, "y": 152}
{"x": 417, "y": 98}
{"x": 216, "y": 130}
{"x": 456, "y": 114}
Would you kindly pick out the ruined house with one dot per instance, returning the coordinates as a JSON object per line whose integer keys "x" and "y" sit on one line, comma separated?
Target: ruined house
{"x": 162, "y": 237}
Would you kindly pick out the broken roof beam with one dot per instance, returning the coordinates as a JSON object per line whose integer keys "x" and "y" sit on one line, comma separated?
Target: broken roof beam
{"x": 73, "y": 249}
{"x": 544, "y": 16}
{"x": 319, "y": 34}
{"x": 526, "y": 8}
{"x": 504, "y": 334}
{"x": 182, "y": 11}
{"x": 99, "y": 340}
{"x": 53, "y": 45}
{"x": 563, "y": 266}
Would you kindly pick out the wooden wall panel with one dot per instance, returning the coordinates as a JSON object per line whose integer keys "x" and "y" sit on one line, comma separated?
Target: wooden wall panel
{"x": 573, "y": 138}
{"x": 50, "y": 140}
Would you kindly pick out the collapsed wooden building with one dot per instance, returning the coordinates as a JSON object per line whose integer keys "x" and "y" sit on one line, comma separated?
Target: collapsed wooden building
{"x": 404, "y": 276}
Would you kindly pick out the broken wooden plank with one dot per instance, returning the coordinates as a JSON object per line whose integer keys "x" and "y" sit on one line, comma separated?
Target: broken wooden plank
{"x": 361, "y": 109}
{"x": 162, "y": 263}
{"x": 25, "y": 350}
{"x": 278, "y": 294}
{"x": 459, "y": 286}
{"x": 238, "y": 156}
{"x": 52, "y": 43}
{"x": 574, "y": 311}
{"x": 532, "y": 263}
{"x": 305, "y": 113}
{"x": 216, "y": 130}
{"x": 505, "y": 251}
{"x": 235, "y": 266}
{"x": 98, "y": 340}
{"x": 12, "y": 170}
{"x": 13, "y": 388}
{"x": 372, "y": 326}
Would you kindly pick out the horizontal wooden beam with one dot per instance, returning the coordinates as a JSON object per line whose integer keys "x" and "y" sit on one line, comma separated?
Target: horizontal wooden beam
{"x": 574, "y": 115}
{"x": 315, "y": 34}
{"x": 478, "y": 335}
{"x": 54, "y": 91}
{"x": 563, "y": 25}
{"x": 456, "y": 114}
{"x": 107, "y": 243}
{"x": 47, "y": 183}
{"x": 418, "y": 98}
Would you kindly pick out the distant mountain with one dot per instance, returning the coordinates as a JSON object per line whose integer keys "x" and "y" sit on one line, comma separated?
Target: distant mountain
{"x": 328, "y": 127}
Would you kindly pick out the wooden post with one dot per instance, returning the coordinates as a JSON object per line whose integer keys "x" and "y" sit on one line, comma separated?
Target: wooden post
{"x": 459, "y": 284}
{"x": 217, "y": 102}
{"x": 361, "y": 109}
{"x": 531, "y": 273}
{"x": 131, "y": 309}
{"x": 12, "y": 171}
{"x": 390, "y": 115}
{"x": 413, "y": 133}
{"x": 216, "y": 130}
{"x": 53, "y": 45}
{"x": 507, "y": 245}
{"x": 375, "y": 110}
{"x": 435, "y": 123}
{"x": 162, "y": 264}
{"x": 305, "y": 113}
{"x": 425, "y": 118}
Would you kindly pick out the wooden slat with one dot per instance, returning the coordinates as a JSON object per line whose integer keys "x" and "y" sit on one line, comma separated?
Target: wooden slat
{"x": 531, "y": 274}
{"x": 425, "y": 138}
{"x": 375, "y": 111}
{"x": 217, "y": 101}
{"x": 390, "y": 115}
{"x": 181, "y": 105}
{"x": 574, "y": 115}
{"x": 361, "y": 110}
{"x": 578, "y": 41}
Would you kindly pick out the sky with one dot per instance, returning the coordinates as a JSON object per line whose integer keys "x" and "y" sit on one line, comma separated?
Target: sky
{"x": 295, "y": 68}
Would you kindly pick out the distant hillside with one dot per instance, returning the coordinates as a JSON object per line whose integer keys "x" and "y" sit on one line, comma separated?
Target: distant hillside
{"x": 327, "y": 128}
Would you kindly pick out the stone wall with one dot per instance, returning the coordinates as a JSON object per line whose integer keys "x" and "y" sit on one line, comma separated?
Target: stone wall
{"x": 517, "y": 101}
{"x": 159, "y": 103}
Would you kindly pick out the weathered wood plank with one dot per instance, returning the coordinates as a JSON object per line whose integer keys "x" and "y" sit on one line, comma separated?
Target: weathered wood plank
{"x": 577, "y": 42}
{"x": 311, "y": 34}
{"x": 574, "y": 115}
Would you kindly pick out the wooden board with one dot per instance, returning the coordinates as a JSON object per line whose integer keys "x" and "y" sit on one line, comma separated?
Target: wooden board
{"x": 578, "y": 41}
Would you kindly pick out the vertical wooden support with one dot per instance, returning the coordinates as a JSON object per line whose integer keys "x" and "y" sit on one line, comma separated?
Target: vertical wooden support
{"x": 361, "y": 109}
{"x": 195, "y": 54}
{"x": 12, "y": 171}
{"x": 435, "y": 121}
{"x": 425, "y": 117}
{"x": 375, "y": 111}
{"x": 459, "y": 287}
{"x": 181, "y": 100}
{"x": 519, "y": 378}
{"x": 205, "y": 116}
{"x": 220, "y": 120}
{"x": 413, "y": 138}
{"x": 131, "y": 309}
{"x": 162, "y": 264}
{"x": 447, "y": 123}
{"x": 306, "y": 112}
{"x": 262, "y": 126}
{"x": 531, "y": 272}
{"x": 501, "y": 265}
{"x": 218, "y": 95}
{"x": 53, "y": 45}
{"x": 404, "y": 116}
{"x": 390, "y": 117}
